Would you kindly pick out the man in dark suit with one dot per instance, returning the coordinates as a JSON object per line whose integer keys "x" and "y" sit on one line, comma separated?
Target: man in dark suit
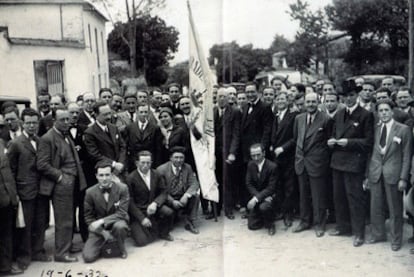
{"x": 351, "y": 142}
{"x": 87, "y": 116}
{"x": 256, "y": 127}
{"x": 103, "y": 141}
{"x": 46, "y": 122}
{"x": 76, "y": 133}
{"x": 311, "y": 132}
{"x": 143, "y": 135}
{"x": 182, "y": 186}
{"x": 106, "y": 213}
{"x": 283, "y": 152}
{"x": 388, "y": 174}
{"x": 8, "y": 203}
{"x": 59, "y": 166}
{"x": 124, "y": 118}
{"x": 43, "y": 103}
{"x": 261, "y": 179}
{"x": 174, "y": 91}
{"x": 22, "y": 155}
{"x": 227, "y": 134}
{"x": 13, "y": 130}
{"x": 150, "y": 218}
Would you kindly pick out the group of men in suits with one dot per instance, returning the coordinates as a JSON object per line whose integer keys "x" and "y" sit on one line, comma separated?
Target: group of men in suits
{"x": 315, "y": 161}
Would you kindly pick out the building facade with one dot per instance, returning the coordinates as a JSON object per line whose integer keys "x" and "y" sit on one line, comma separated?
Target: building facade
{"x": 56, "y": 45}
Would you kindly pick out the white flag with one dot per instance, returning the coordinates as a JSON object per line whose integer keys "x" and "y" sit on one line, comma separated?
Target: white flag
{"x": 201, "y": 87}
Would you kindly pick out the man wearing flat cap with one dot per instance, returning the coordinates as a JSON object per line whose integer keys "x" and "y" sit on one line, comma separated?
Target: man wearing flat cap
{"x": 182, "y": 185}
{"x": 351, "y": 142}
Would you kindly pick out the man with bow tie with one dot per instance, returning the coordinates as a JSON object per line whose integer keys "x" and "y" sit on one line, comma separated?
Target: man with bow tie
{"x": 59, "y": 165}
{"x": 256, "y": 127}
{"x": 283, "y": 153}
{"x": 150, "y": 217}
{"x": 22, "y": 156}
{"x": 388, "y": 174}
{"x": 182, "y": 186}
{"x": 351, "y": 143}
{"x": 76, "y": 133}
{"x": 106, "y": 213}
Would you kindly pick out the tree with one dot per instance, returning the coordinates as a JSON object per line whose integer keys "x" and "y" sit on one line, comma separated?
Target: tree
{"x": 379, "y": 33}
{"x": 179, "y": 73}
{"x": 311, "y": 38}
{"x": 238, "y": 63}
{"x": 134, "y": 9}
{"x": 154, "y": 44}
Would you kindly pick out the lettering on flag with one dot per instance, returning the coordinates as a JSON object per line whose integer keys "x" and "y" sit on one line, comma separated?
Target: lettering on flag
{"x": 201, "y": 88}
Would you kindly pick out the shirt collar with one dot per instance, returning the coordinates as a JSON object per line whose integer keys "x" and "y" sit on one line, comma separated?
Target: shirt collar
{"x": 282, "y": 114}
{"x": 352, "y": 109}
{"x": 103, "y": 127}
{"x": 389, "y": 124}
{"x": 260, "y": 165}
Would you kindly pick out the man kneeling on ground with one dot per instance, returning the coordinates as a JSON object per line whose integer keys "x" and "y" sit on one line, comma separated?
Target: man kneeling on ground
{"x": 150, "y": 218}
{"x": 106, "y": 213}
{"x": 182, "y": 185}
{"x": 261, "y": 180}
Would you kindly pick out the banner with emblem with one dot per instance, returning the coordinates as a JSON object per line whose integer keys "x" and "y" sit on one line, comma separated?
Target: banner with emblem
{"x": 201, "y": 92}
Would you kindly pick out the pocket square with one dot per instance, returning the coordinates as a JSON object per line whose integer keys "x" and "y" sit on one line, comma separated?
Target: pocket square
{"x": 320, "y": 129}
{"x": 396, "y": 139}
{"x": 356, "y": 124}
{"x": 116, "y": 136}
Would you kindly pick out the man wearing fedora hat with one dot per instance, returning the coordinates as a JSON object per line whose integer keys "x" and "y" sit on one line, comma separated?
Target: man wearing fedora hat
{"x": 351, "y": 142}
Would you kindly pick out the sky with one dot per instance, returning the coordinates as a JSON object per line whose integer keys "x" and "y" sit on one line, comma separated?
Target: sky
{"x": 243, "y": 21}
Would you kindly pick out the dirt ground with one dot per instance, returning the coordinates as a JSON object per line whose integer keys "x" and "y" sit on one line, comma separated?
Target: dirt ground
{"x": 229, "y": 249}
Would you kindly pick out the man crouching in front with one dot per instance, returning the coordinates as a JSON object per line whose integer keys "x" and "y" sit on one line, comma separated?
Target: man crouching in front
{"x": 261, "y": 180}
{"x": 106, "y": 213}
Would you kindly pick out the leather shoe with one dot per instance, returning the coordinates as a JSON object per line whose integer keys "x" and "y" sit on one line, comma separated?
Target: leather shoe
{"x": 375, "y": 240}
{"x": 66, "y": 259}
{"x": 411, "y": 240}
{"x": 210, "y": 216}
{"x": 395, "y": 247}
{"x": 230, "y": 215}
{"x": 336, "y": 232}
{"x": 167, "y": 237}
{"x": 124, "y": 255}
{"x": 42, "y": 258}
{"x": 319, "y": 232}
{"x": 301, "y": 227}
{"x": 14, "y": 270}
{"x": 244, "y": 216}
{"x": 191, "y": 228}
{"x": 287, "y": 220}
{"x": 412, "y": 251}
{"x": 358, "y": 241}
{"x": 75, "y": 248}
{"x": 272, "y": 230}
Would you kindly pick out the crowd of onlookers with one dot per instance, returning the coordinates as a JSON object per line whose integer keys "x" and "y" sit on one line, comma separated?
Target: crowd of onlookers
{"x": 122, "y": 163}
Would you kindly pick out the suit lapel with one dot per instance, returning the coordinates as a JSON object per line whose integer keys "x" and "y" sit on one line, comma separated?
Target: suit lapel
{"x": 390, "y": 140}
{"x": 314, "y": 126}
{"x": 147, "y": 131}
{"x": 112, "y": 197}
{"x": 26, "y": 142}
{"x": 102, "y": 134}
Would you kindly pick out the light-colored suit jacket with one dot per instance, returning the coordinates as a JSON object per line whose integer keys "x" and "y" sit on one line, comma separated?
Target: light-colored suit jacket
{"x": 395, "y": 164}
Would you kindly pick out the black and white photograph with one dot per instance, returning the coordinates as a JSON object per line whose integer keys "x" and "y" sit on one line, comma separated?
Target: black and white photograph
{"x": 206, "y": 138}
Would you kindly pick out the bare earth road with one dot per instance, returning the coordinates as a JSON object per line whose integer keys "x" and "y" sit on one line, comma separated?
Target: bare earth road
{"x": 229, "y": 249}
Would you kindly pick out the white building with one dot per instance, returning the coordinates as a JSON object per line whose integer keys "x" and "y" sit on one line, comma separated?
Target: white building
{"x": 53, "y": 45}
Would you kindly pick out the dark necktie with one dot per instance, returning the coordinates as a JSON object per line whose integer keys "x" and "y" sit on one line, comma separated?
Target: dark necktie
{"x": 383, "y": 139}
{"x": 347, "y": 114}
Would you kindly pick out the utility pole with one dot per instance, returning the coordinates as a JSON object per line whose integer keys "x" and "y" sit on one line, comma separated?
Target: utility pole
{"x": 411, "y": 44}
